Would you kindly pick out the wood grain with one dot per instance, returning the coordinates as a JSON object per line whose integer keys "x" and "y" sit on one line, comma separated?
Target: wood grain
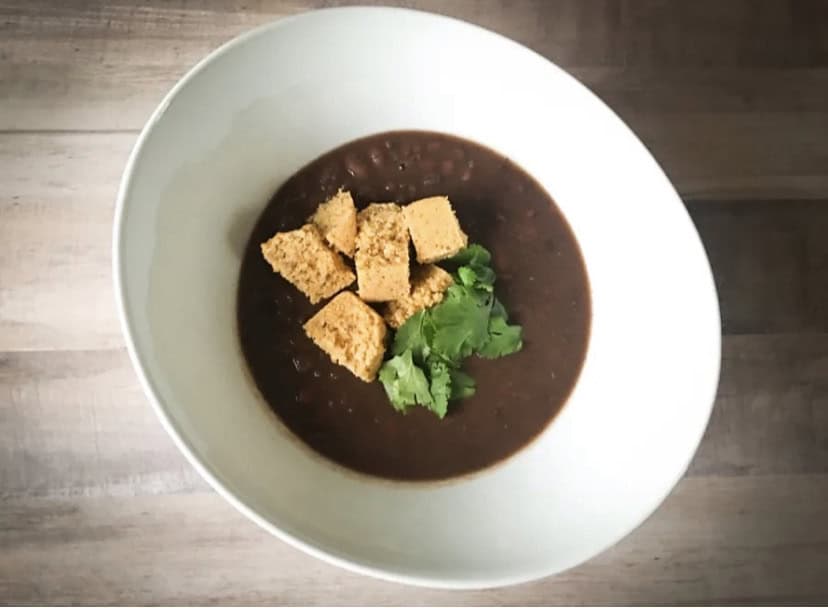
{"x": 75, "y": 423}
{"x": 769, "y": 256}
{"x": 770, "y": 261}
{"x": 57, "y": 193}
{"x": 706, "y": 100}
{"x": 97, "y": 505}
{"x": 717, "y": 540}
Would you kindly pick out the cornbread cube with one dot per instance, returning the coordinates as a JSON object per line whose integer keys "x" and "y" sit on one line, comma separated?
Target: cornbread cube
{"x": 336, "y": 220}
{"x": 382, "y": 253}
{"x": 434, "y": 229}
{"x": 351, "y": 333}
{"x": 428, "y": 284}
{"x": 303, "y": 258}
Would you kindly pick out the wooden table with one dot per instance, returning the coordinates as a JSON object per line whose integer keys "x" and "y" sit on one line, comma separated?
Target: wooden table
{"x": 98, "y": 506}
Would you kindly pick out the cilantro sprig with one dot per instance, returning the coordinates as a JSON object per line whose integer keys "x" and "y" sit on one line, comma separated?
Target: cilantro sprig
{"x": 429, "y": 348}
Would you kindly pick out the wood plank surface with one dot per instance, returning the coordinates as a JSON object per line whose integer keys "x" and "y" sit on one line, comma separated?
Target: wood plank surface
{"x": 97, "y": 505}
{"x": 705, "y": 84}
{"x": 718, "y": 540}
{"x": 76, "y": 422}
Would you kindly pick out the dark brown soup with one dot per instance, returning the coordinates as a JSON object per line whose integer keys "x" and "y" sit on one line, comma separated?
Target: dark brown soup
{"x": 541, "y": 280}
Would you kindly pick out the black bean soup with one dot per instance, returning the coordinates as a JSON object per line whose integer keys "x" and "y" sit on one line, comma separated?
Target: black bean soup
{"x": 541, "y": 280}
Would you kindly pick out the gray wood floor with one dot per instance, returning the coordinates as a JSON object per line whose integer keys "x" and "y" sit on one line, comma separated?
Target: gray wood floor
{"x": 96, "y": 504}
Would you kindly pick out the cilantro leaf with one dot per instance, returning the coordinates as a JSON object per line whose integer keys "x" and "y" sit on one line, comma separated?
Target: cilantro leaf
{"x": 485, "y": 277}
{"x": 476, "y": 277}
{"x": 504, "y": 339}
{"x": 474, "y": 254}
{"x": 414, "y": 336}
{"x": 481, "y": 295}
{"x": 467, "y": 276}
{"x": 430, "y": 346}
{"x": 462, "y": 385}
{"x": 440, "y": 388}
{"x": 498, "y": 310}
{"x": 460, "y": 326}
{"x": 405, "y": 383}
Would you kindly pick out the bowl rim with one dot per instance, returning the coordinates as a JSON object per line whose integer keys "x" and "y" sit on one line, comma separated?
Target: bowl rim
{"x": 342, "y": 560}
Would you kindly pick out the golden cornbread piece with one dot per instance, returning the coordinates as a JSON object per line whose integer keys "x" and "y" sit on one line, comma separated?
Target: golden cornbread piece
{"x": 336, "y": 219}
{"x": 303, "y": 258}
{"x": 351, "y": 333}
{"x": 428, "y": 283}
{"x": 434, "y": 229}
{"x": 382, "y": 253}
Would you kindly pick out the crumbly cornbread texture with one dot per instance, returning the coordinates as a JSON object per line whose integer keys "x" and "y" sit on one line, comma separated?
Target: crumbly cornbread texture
{"x": 303, "y": 258}
{"x": 336, "y": 219}
{"x": 428, "y": 284}
{"x": 382, "y": 253}
{"x": 434, "y": 229}
{"x": 351, "y": 333}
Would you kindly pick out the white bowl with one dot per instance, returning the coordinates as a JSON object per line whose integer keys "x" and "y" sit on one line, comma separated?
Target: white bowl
{"x": 261, "y": 107}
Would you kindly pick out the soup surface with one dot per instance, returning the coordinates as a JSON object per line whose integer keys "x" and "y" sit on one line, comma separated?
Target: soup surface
{"x": 541, "y": 280}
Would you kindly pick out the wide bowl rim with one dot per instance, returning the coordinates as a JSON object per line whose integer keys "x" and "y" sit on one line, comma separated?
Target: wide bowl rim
{"x": 348, "y": 562}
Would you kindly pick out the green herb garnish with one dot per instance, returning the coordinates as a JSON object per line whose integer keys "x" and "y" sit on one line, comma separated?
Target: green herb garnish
{"x": 405, "y": 383}
{"x": 429, "y": 348}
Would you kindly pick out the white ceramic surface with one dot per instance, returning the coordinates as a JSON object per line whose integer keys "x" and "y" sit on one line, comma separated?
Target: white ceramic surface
{"x": 259, "y": 108}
